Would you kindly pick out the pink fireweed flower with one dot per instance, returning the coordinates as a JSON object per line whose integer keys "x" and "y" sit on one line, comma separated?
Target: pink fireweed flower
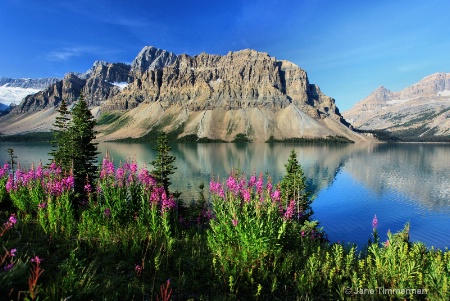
{"x": 88, "y": 188}
{"x": 374, "y": 222}
{"x": 8, "y": 267}
{"x": 234, "y": 222}
{"x": 386, "y": 244}
{"x": 260, "y": 184}
{"x": 146, "y": 178}
{"x": 36, "y": 259}
{"x": 120, "y": 173}
{"x": 167, "y": 203}
{"x": 10, "y": 184}
{"x": 269, "y": 187}
{"x": 13, "y": 252}
{"x": 216, "y": 188}
{"x": 290, "y": 210}
{"x": 12, "y": 219}
{"x": 42, "y": 206}
{"x": 133, "y": 167}
{"x": 155, "y": 196}
{"x": 53, "y": 166}
{"x": 138, "y": 269}
{"x": 39, "y": 172}
{"x": 276, "y": 195}
{"x": 107, "y": 212}
{"x": 246, "y": 194}
{"x": 252, "y": 181}
{"x": 233, "y": 185}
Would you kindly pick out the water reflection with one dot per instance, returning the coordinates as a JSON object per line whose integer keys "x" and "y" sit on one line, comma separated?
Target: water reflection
{"x": 398, "y": 182}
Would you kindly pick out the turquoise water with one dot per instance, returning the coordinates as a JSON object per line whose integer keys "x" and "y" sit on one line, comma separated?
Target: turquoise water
{"x": 351, "y": 183}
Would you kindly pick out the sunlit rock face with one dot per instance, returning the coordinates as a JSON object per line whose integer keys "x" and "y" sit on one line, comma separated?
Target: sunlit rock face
{"x": 421, "y": 110}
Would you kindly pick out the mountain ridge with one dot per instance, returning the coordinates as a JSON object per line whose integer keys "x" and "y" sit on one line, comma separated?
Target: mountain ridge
{"x": 417, "y": 111}
{"x": 220, "y": 97}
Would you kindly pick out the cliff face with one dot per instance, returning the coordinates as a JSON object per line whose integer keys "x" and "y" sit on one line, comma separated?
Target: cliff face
{"x": 421, "y": 110}
{"x": 245, "y": 93}
{"x": 242, "y": 79}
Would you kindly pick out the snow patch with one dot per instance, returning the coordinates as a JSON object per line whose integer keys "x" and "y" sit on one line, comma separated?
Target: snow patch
{"x": 444, "y": 93}
{"x": 121, "y": 85}
{"x": 397, "y": 101}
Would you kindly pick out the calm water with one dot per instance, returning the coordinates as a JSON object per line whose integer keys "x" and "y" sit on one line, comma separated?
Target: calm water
{"x": 399, "y": 183}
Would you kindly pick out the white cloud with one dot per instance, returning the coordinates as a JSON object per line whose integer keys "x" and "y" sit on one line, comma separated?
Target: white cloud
{"x": 65, "y": 54}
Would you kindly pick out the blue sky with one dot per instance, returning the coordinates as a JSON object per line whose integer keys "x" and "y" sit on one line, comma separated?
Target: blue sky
{"x": 348, "y": 48}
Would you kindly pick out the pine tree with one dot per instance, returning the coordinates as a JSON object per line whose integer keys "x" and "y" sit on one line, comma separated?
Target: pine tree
{"x": 162, "y": 166}
{"x": 83, "y": 150}
{"x": 61, "y": 142}
{"x": 293, "y": 187}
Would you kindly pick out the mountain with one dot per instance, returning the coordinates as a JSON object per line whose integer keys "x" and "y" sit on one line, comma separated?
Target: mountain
{"x": 418, "y": 112}
{"x": 244, "y": 95}
{"x": 13, "y": 90}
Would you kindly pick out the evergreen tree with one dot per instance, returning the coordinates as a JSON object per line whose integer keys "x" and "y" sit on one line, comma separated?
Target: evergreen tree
{"x": 293, "y": 187}
{"x": 82, "y": 149}
{"x": 61, "y": 142}
{"x": 163, "y": 165}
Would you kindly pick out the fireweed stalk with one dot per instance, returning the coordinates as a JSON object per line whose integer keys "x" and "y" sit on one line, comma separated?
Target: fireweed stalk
{"x": 6, "y": 260}
{"x": 29, "y": 189}
{"x": 127, "y": 201}
{"x": 252, "y": 228}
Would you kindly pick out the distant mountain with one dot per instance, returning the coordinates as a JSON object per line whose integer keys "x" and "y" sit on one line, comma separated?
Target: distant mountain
{"x": 13, "y": 90}
{"x": 244, "y": 95}
{"x": 419, "y": 112}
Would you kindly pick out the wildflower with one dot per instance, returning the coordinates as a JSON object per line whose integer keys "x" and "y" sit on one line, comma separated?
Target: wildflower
{"x": 138, "y": 269}
{"x": 246, "y": 194}
{"x": 269, "y": 187}
{"x": 234, "y": 222}
{"x": 8, "y": 267}
{"x": 107, "y": 212}
{"x": 260, "y": 184}
{"x": 252, "y": 181}
{"x": 13, "y": 252}
{"x": 303, "y": 233}
{"x": 87, "y": 188}
{"x": 386, "y": 244}
{"x": 374, "y": 222}
{"x": 42, "y": 206}
{"x": 13, "y": 219}
{"x": 232, "y": 185}
{"x": 167, "y": 203}
{"x": 290, "y": 210}
{"x": 133, "y": 167}
{"x": 276, "y": 195}
{"x": 36, "y": 259}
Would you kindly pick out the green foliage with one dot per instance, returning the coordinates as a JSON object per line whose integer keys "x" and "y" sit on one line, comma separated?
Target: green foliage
{"x": 293, "y": 187}
{"x": 73, "y": 146}
{"x": 83, "y": 149}
{"x": 163, "y": 165}
{"x": 61, "y": 144}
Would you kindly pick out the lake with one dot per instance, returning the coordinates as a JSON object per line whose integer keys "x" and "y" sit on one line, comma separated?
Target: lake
{"x": 351, "y": 183}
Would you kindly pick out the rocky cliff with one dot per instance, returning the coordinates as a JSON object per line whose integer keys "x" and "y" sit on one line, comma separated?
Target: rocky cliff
{"x": 418, "y": 112}
{"x": 242, "y": 94}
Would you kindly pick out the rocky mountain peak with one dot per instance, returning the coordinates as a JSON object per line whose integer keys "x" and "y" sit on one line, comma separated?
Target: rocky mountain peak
{"x": 151, "y": 58}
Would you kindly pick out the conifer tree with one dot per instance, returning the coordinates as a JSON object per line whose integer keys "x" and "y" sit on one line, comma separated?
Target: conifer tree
{"x": 73, "y": 147}
{"x": 83, "y": 150}
{"x": 61, "y": 142}
{"x": 293, "y": 187}
{"x": 163, "y": 165}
